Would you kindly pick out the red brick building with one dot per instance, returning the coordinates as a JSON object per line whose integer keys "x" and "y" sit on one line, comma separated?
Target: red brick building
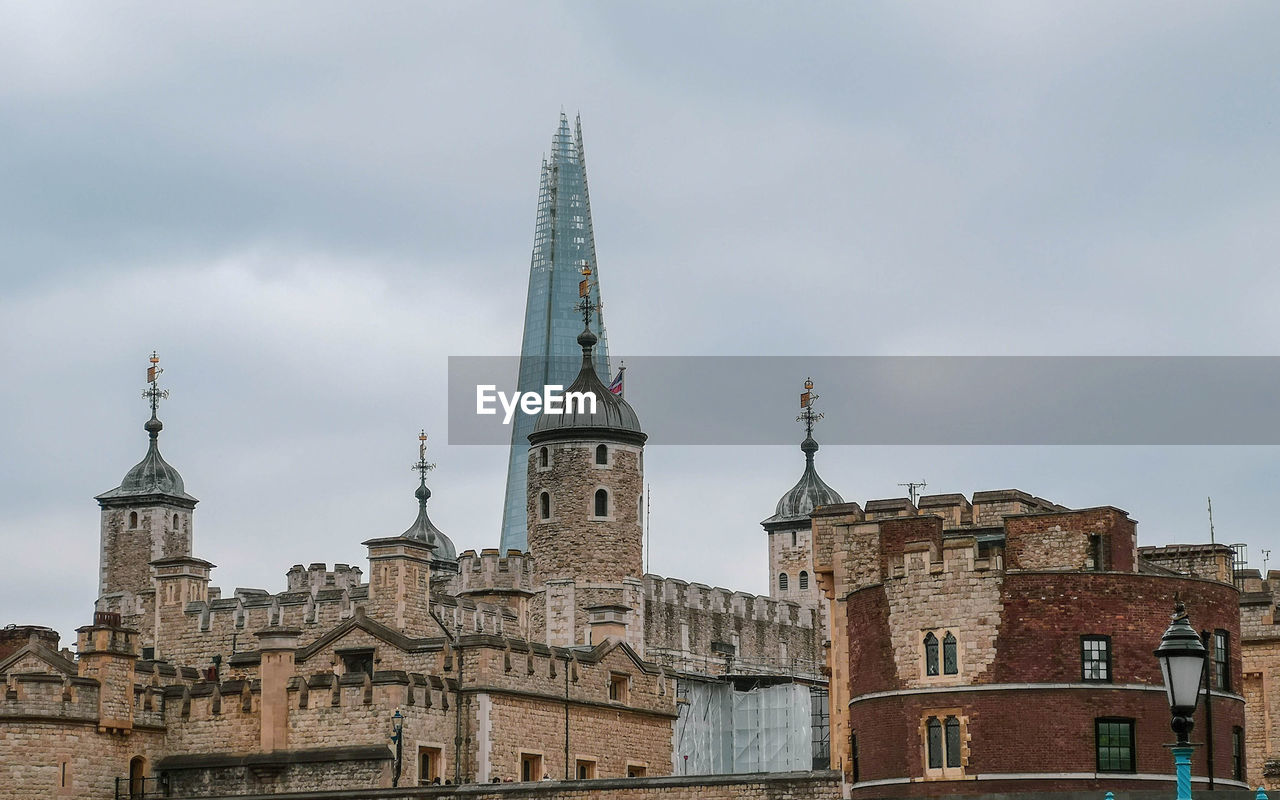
{"x": 1005, "y": 645}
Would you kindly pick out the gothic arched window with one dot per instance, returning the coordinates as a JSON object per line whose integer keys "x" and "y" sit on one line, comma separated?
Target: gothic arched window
{"x": 544, "y": 506}
{"x": 953, "y": 742}
{"x": 782, "y": 581}
{"x": 602, "y": 503}
{"x": 934, "y": 731}
{"x": 930, "y": 654}
{"x": 949, "y": 665}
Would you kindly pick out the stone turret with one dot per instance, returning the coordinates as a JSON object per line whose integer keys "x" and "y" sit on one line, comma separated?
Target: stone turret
{"x": 585, "y": 478}
{"x": 108, "y": 653}
{"x": 400, "y": 567}
{"x": 791, "y": 575}
{"x": 147, "y": 517}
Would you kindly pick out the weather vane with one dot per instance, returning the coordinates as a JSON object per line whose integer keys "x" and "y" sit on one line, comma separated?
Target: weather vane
{"x": 153, "y": 392}
{"x": 422, "y": 467}
{"x": 808, "y": 416}
{"x": 584, "y": 292}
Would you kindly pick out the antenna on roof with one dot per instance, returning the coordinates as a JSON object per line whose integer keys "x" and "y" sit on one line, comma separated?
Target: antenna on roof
{"x": 913, "y": 489}
{"x": 1211, "y": 520}
{"x": 1266, "y": 556}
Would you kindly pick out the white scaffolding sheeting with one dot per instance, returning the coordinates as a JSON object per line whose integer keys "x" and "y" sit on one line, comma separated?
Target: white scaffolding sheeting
{"x": 762, "y": 730}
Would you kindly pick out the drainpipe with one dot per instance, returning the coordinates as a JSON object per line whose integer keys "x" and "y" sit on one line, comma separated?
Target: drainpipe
{"x": 566, "y": 716}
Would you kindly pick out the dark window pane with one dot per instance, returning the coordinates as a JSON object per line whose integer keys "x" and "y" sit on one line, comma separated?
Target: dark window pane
{"x": 1221, "y": 663}
{"x": 602, "y": 503}
{"x": 949, "y": 654}
{"x": 930, "y": 654}
{"x": 602, "y": 455}
{"x": 1114, "y": 740}
{"x": 935, "y": 743}
{"x": 1237, "y": 753}
{"x": 953, "y": 742}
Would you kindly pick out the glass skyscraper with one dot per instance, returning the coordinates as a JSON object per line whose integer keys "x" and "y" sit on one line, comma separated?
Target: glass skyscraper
{"x": 550, "y": 354}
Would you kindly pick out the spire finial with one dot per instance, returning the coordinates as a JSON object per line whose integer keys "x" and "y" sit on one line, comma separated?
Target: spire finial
{"x": 154, "y": 394}
{"x": 587, "y": 338}
{"x": 422, "y": 467}
{"x": 808, "y": 416}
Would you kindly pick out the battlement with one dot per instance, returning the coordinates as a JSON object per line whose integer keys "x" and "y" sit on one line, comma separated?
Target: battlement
{"x": 715, "y": 599}
{"x": 924, "y": 560}
{"x": 1201, "y": 560}
{"x": 491, "y": 571}
{"x": 318, "y": 576}
{"x": 53, "y": 696}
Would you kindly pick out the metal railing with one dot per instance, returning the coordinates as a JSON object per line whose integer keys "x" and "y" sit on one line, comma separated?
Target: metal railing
{"x": 142, "y": 788}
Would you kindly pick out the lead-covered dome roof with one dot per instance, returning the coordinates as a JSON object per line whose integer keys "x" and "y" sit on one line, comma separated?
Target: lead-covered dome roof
{"x": 614, "y": 419}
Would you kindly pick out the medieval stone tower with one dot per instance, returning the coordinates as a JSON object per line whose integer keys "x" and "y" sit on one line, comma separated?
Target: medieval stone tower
{"x": 145, "y": 519}
{"x": 791, "y": 575}
{"x": 586, "y": 473}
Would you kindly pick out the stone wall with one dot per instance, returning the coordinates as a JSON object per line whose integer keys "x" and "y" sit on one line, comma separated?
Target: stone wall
{"x": 696, "y": 628}
{"x": 573, "y": 542}
{"x": 1260, "y": 663}
{"x": 1202, "y": 560}
{"x": 751, "y": 786}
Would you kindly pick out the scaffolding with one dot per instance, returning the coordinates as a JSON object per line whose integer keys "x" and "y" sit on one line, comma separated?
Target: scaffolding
{"x": 722, "y": 730}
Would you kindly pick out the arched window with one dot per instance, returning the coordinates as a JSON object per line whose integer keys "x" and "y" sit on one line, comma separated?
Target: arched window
{"x": 930, "y": 654}
{"x": 175, "y": 522}
{"x": 934, "y": 731}
{"x": 542, "y": 457}
{"x": 602, "y": 503}
{"x": 953, "y": 742}
{"x": 133, "y": 519}
{"x": 782, "y": 581}
{"x": 544, "y": 506}
{"x": 804, "y": 580}
{"x": 949, "y": 665}
{"x": 602, "y": 454}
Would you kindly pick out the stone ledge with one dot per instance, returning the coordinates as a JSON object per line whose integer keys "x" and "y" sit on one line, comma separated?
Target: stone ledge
{"x": 278, "y": 758}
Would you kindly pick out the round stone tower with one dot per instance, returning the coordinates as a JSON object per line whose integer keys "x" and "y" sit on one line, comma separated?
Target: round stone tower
{"x": 585, "y": 479}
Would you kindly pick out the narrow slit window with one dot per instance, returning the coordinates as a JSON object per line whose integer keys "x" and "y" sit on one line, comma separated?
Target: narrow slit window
{"x": 544, "y": 505}
{"x": 602, "y": 503}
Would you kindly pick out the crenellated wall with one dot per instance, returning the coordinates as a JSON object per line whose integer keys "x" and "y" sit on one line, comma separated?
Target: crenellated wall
{"x": 697, "y": 628}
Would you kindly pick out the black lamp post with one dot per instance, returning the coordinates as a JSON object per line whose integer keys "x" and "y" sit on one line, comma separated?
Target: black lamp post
{"x": 1181, "y": 655}
{"x": 397, "y": 735}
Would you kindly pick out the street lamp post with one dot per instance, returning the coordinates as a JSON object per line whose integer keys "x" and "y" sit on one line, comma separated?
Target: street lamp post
{"x": 397, "y": 736}
{"x": 1181, "y": 655}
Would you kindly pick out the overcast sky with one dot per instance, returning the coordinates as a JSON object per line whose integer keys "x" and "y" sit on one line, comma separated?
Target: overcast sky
{"x": 307, "y": 207}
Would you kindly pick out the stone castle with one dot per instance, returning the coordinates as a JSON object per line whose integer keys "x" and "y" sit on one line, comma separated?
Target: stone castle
{"x": 493, "y": 665}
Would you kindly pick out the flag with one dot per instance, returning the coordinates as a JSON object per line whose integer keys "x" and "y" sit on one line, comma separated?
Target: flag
{"x": 804, "y": 400}
{"x": 584, "y": 288}
{"x": 151, "y": 374}
{"x": 616, "y": 386}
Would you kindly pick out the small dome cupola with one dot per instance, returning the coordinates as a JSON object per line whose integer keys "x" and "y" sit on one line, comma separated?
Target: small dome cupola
{"x": 810, "y": 491}
{"x": 152, "y": 476}
{"x": 613, "y": 419}
{"x": 423, "y": 529}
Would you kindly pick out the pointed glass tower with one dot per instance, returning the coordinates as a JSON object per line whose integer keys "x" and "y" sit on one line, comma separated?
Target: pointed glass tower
{"x": 549, "y": 354}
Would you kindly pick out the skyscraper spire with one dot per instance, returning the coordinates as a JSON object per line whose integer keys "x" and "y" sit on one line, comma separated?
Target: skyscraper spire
{"x": 563, "y": 243}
